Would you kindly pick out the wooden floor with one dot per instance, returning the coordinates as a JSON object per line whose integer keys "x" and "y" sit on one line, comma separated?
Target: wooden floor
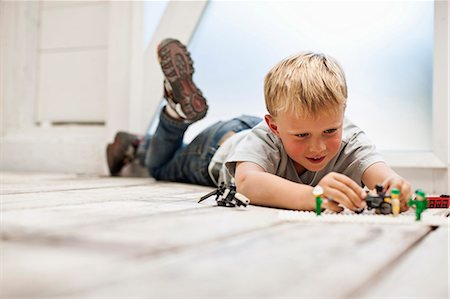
{"x": 69, "y": 236}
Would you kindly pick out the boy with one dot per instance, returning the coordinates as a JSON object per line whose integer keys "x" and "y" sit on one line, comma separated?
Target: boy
{"x": 303, "y": 142}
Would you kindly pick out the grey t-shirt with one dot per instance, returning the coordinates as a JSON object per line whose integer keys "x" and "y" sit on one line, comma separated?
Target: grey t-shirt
{"x": 259, "y": 145}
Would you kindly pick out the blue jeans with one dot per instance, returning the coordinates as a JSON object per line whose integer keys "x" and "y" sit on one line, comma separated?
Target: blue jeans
{"x": 168, "y": 158}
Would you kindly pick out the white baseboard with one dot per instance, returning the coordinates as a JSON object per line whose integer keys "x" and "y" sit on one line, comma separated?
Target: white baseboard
{"x": 63, "y": 150}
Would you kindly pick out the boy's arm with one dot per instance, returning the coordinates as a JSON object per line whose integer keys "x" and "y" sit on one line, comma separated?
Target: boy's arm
{"x": 266, "y": 189}
{"x": 381, "y": 173}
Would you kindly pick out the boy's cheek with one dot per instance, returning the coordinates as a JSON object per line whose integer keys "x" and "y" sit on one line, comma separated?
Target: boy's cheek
{"x": 334, "y": 145}
{"x": 297, "y": 149}
{"x": 294, "y": 150}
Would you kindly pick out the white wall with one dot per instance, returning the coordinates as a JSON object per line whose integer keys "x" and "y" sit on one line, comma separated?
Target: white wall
{"x": 73, "y": 73}
{"x": 53, "y": 85}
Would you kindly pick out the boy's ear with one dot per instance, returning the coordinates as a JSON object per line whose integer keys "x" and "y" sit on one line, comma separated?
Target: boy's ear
{"x": 272, "y": 124}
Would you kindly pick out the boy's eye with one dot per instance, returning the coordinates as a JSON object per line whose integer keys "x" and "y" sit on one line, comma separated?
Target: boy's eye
{"x": 330, "y": 131}
{"x": 303, "y": 135}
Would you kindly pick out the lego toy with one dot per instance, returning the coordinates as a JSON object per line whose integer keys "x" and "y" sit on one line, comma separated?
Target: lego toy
{"x": 380, "y": 201}
{"x": 395, "y": 201}
{"x": 420, "y": 202}
{"x": 226, "y": 196}
{"x": 442, "y": 201}
{"x": 318, "y": 192}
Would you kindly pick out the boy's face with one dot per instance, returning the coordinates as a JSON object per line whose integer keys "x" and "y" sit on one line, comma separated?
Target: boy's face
{"x": 311, "y": 142}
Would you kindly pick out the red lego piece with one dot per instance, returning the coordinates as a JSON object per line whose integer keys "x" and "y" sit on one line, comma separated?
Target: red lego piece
{"x": 441, "y": 202}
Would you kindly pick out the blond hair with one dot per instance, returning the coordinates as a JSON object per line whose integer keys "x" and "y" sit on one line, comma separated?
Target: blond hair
{"x": 306, "y": 84}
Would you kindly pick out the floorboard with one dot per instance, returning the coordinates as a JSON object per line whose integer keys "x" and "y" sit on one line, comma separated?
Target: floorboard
{"x": 20, "y": 183}
{"x": 299, "y": 261}
{"x": 423, "y": 272}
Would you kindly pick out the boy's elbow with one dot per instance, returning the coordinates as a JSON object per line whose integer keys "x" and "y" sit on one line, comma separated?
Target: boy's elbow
{"x": 243, "y": 182}
{"x": 247, "y": 178}
{"x": 239, "y": 181}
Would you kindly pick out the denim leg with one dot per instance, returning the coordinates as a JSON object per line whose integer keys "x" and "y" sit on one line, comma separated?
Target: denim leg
{"x": 190, "y": 163}
{"x": 165, "y": 142}
{"x": 141, "y": 152}
{"x": 168, "y": 159}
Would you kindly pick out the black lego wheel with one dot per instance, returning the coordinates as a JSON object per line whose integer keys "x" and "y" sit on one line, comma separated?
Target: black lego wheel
{"x": 385, "y": 208}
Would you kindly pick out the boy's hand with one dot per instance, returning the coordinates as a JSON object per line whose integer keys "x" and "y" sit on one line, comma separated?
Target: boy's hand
{"x": 396, "y": 181}
{"x": 340, "y": 189}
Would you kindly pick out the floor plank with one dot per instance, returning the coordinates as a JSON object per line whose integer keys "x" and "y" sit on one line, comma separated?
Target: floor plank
{"x": 20, "y": 183}
{"x": 36, "y": 270}
{"x": 423, "y": 272}
{"x": 151, "y": 234}
{"x": 284, "y": 261}
{"x": 80, "y": 208}
{"x": 99, "y": 195}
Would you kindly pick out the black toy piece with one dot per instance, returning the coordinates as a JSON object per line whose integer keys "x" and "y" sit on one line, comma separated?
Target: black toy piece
{"x": 218, "y": 193}
{"x": 381, "y": 201}
{"x": 226, "y": 196}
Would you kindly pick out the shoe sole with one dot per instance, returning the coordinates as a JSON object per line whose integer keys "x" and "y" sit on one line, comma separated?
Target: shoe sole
{"x": 177, "y": 67}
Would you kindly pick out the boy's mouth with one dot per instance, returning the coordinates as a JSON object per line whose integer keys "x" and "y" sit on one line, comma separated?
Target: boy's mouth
{"x": 316, "y": 160}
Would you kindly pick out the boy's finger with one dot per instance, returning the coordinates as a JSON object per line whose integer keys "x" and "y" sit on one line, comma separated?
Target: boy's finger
{"x": 386, "y": 184}
{"x": 352, "y": 184}
{"x": 405, "y": 191}
{"x": 332, "y": 206}
{"x": 403, "y": 206}
{"x": 340, "y": 197}
{"x": 389, "y": 184}
{"x": 394, "y": 183}
{"x": 405, "y": 195}
{"x": 348, "y": 192}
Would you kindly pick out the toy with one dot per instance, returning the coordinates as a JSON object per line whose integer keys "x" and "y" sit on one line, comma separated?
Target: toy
{"x": 226, "y": 196}
{"x": 318, "y": 192}
{"x": 420, "y": 202}
{"x": 442, "y": 201}
{"x": 379, "y": 201}
{"x": 395, "y": 201}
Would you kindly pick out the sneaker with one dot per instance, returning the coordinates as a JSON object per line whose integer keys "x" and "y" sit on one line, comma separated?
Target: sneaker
{"x": 182, "y": 94}
{"x": 121, "y": 151}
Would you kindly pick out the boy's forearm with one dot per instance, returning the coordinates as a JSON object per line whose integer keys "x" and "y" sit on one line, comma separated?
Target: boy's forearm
{"x": 376, "y": 174}
{"x": 265, "y": 189}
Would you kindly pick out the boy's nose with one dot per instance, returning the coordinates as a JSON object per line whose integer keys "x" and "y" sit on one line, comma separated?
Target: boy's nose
{"x": 317, "y": 146}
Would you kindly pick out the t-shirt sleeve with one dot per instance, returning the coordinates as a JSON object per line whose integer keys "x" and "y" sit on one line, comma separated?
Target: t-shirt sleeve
{"x": 357, "y": 155}
{"x": 258, "y": 147}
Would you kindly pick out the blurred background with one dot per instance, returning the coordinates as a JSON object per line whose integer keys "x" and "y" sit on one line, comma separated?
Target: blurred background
{"x": 72, "y": 73}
